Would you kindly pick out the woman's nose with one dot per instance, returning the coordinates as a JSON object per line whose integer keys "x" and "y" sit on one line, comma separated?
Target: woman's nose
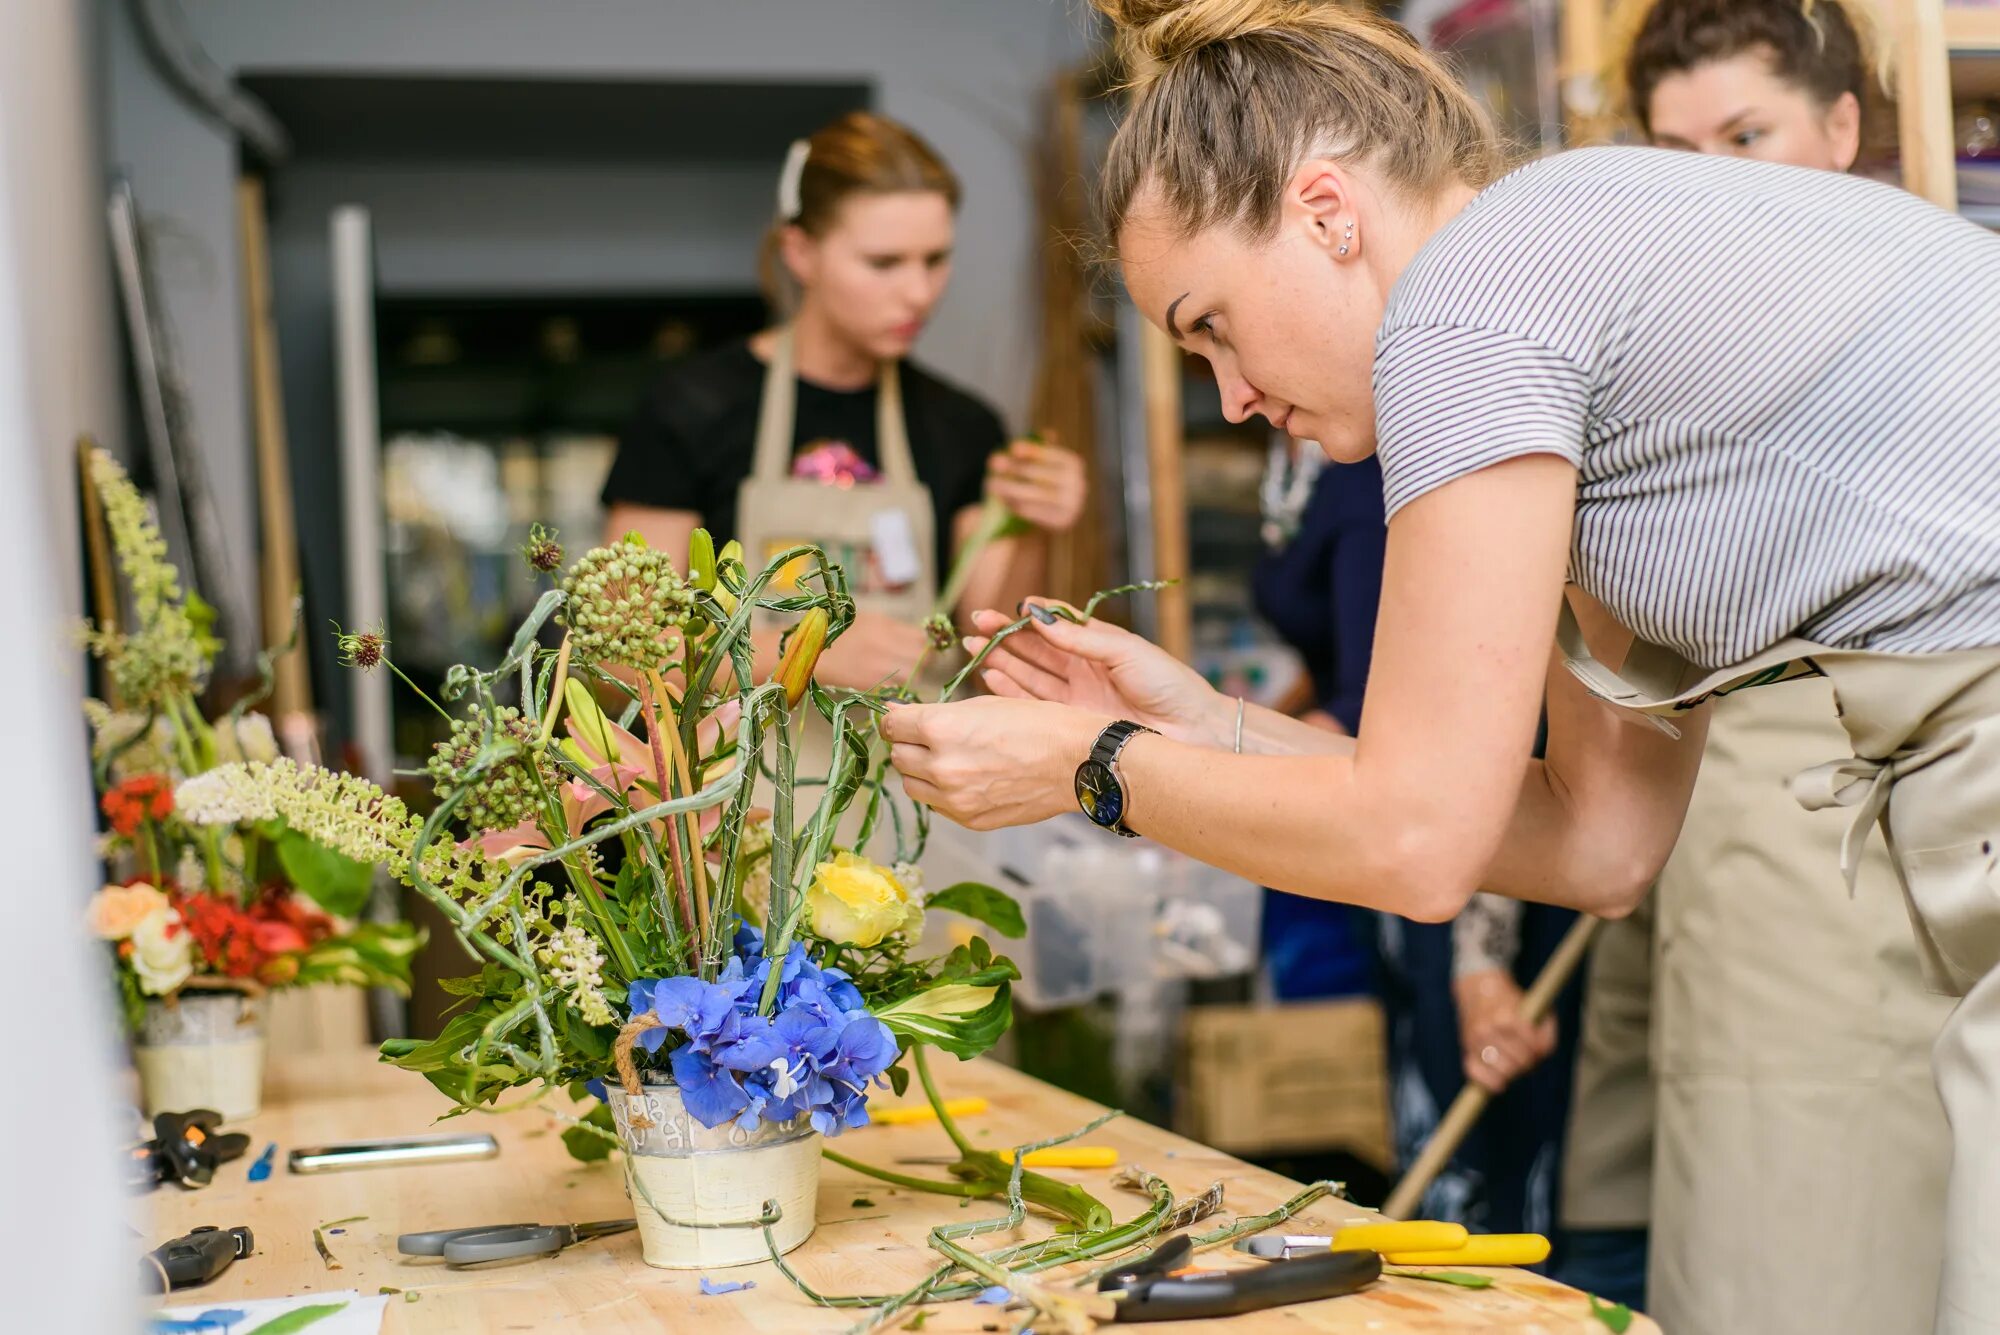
{"x": 1239, "y": 400}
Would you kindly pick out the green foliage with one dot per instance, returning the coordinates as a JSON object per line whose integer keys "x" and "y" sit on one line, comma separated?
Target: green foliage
{"x": 370, "y": 954}
{"x": 446, "y": 1061}
{"x": 982, "y": 903}
{"x": 334, "y": 881}
{"x": 1617, "y": 1316}
{"x": 587, "y": 1146}
{"x": 964, "y": 1009}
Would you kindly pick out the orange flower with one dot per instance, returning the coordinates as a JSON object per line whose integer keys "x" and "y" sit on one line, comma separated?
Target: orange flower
{"x": 139, "y": 798}
{"x": 116, "y": 909}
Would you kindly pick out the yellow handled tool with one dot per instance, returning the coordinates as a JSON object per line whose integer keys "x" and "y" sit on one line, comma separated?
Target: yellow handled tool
{"x": 923, "y": 1112}
{"x": 1056, "y": 1156}
{"x": 1481, "y": 1249}
{"x": 1417, "y": 1235}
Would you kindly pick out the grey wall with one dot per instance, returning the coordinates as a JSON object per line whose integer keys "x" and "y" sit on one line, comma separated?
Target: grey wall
{"x": 969, "y": 74}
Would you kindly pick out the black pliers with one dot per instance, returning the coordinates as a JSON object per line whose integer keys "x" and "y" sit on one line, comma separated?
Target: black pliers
{"x": 1152, "y": 1289}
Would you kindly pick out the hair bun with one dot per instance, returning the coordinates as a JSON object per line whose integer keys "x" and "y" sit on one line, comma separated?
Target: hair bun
{"x": 1156, "y": 33}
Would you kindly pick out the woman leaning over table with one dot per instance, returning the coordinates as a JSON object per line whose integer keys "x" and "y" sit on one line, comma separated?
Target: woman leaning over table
{"x": 1789, "y": 1084}
{"x": 822, "y": 430}
{"x": 1750, "y": 413}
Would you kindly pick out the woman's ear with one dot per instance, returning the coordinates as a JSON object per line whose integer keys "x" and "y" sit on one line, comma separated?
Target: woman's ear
{"x": 1319, "y": 200}
{"x": 1843, "y": 130}
{"x": 799, "y": 252}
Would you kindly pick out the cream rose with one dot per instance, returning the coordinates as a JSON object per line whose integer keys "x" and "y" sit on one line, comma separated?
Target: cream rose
{"x": 117, "y": 909}
{"x": 857, "y": 902}
{"x": 162, "y": 952}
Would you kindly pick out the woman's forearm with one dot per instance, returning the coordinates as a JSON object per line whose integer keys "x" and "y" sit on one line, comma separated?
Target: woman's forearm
{"x": 1007, "y": 571}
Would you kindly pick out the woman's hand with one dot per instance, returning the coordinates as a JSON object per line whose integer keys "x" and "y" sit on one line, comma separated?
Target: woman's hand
{"x": 875, "y": 651}
{"x": 1499, "y": 1047}
{"x": 1104, "y": 670}
{"x": 990, "y": 763}
{"x": 1043, "y": 484}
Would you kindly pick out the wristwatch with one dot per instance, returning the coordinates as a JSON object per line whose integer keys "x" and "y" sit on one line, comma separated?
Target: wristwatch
{"x": 1099, "y": 789}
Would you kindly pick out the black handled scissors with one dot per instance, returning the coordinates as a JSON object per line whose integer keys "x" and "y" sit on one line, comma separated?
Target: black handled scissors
{"x": 1158, "y": 1287}
{"x": 505, "y": 1242}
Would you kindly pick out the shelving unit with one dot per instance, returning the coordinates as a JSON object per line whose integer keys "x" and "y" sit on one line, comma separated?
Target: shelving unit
{"x": 1943, "y": 53}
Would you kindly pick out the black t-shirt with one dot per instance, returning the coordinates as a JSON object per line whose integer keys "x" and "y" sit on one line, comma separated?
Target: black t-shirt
{"x": 693, "y": 441}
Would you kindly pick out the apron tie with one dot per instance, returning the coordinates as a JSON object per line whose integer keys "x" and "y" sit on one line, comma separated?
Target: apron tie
{"x": 1854, "y": 782}
{"x": 1865, "y": 785}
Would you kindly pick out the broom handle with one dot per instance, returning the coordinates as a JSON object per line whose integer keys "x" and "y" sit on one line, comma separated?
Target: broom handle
{"x": 1465, "y": 1110}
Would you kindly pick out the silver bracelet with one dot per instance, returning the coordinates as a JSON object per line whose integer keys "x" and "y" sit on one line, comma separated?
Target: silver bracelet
{"x": 1239, "y": 725}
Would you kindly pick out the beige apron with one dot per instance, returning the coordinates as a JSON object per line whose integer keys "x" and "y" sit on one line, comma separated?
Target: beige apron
{"x": 1925, "y": 735}
{"x": 1607, "y": 1174}
{"x": 775, "y": 510}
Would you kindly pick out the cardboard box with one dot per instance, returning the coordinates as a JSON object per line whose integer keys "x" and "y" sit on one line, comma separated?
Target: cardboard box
{"x": 1283, "y": 1079}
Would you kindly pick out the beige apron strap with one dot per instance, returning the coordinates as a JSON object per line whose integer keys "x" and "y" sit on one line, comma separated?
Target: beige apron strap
{"x": 777, "y": 411}
{"x": 777, "y": 414}
{"x": 1601, "y": 681}
{"x": 892, "y": 432}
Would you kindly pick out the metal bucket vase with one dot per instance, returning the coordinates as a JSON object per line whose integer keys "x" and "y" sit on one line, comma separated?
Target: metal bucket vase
{"x": 685, "y": 1179}
{"x": 202, "y": 1050}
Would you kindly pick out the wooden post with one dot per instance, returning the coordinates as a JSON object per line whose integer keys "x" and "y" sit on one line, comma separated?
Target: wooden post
{"x": 1586, "y": 117}
{"x": 1923, "y": 101}
{"x": 1160, "y": 364}
{"x": 291, "y": 695}
{"x": 97, "y": 545}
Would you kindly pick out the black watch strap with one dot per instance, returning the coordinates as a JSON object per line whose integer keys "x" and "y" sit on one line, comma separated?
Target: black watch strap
{"x": 1104, "y": 753}
{"x": 1112, "y": 740}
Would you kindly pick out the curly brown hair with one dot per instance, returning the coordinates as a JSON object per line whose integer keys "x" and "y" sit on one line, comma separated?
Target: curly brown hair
{"x": 1816, "y": 46}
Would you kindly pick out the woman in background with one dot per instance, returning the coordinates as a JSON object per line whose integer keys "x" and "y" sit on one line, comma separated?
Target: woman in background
{"x": 1800, "y": 1152}
{"x": 821, "y": 430}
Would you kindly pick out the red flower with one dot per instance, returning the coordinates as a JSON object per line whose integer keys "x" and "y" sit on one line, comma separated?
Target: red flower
{"x": 139, "y": 798}
{"x": 223, "y": 933}
{"x": 278, "y": 938}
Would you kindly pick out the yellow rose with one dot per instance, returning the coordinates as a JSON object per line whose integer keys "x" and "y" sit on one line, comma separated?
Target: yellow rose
{"x": 162, "y": 952}
{"x": 856, "y": 902}
{"x": 116, "y": 909}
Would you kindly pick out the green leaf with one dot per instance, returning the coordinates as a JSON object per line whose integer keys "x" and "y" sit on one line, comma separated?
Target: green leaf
{"x": 298, "y": 1319}
{"x": 982, "y": 903}
{"x": 958, "y": 1017}
{"x": 1459, "y": 1277}
{"x": 334, "y": 881}
{"x": 899, "y": 1078}
{"x": 587, "y": 1146}
{"x": 1615, "y": 1315}
{"x": 370, "y": 954}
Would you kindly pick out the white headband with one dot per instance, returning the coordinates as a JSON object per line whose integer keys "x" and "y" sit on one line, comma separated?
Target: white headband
{"x": 788, "y": 180}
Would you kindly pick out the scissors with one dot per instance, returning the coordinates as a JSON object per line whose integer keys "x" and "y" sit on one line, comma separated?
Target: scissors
{"x": 505, "y": 1242}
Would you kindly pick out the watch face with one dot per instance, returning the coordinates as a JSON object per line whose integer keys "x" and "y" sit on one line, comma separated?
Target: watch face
{"x": 1098, "y": 793}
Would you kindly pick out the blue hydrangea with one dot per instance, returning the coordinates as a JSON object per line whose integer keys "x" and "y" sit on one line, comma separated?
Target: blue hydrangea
{"x": 813, "y": 1057}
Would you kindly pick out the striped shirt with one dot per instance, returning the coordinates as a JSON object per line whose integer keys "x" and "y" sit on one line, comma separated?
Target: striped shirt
{"x": 1780, "y": 388}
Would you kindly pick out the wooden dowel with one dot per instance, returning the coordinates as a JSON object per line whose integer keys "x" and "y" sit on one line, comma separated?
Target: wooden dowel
{"x": 1471, "y": 1102}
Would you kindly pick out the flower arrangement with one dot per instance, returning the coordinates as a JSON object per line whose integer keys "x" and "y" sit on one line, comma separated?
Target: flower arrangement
{"x": 652, "y": 883}
{"x": 201, "y": 902}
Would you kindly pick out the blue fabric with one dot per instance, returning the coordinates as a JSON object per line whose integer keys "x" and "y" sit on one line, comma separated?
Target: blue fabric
{"x": 1321, "y": 591}
{"x": 1609, "y": 1262}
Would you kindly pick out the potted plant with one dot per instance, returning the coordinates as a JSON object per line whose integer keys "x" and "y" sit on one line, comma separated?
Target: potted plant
{"x": 662, "y": 902}
{"x": 203, "y": 914}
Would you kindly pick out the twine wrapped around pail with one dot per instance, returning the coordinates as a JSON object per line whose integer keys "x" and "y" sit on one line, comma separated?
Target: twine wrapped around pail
{"x": 700, "y": 1193}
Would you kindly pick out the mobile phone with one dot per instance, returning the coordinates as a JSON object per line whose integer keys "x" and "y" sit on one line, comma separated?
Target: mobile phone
{"x": 392, "y": 1152}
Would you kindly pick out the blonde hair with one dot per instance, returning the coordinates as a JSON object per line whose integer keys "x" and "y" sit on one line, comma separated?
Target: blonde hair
{"x": 1231, "y": 95}
{"x": 859, "y": 154}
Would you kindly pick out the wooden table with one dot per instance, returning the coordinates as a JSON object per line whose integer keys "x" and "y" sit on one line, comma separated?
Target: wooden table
{"x": 603, "y": 1287}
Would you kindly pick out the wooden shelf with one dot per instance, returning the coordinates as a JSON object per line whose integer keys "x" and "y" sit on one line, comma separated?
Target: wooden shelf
{"x": 1970, "y": 30}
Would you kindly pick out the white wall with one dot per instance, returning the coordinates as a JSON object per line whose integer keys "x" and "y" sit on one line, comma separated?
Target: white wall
{"x": 969, "y": 74}
{"x": 66, "y": 1259}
